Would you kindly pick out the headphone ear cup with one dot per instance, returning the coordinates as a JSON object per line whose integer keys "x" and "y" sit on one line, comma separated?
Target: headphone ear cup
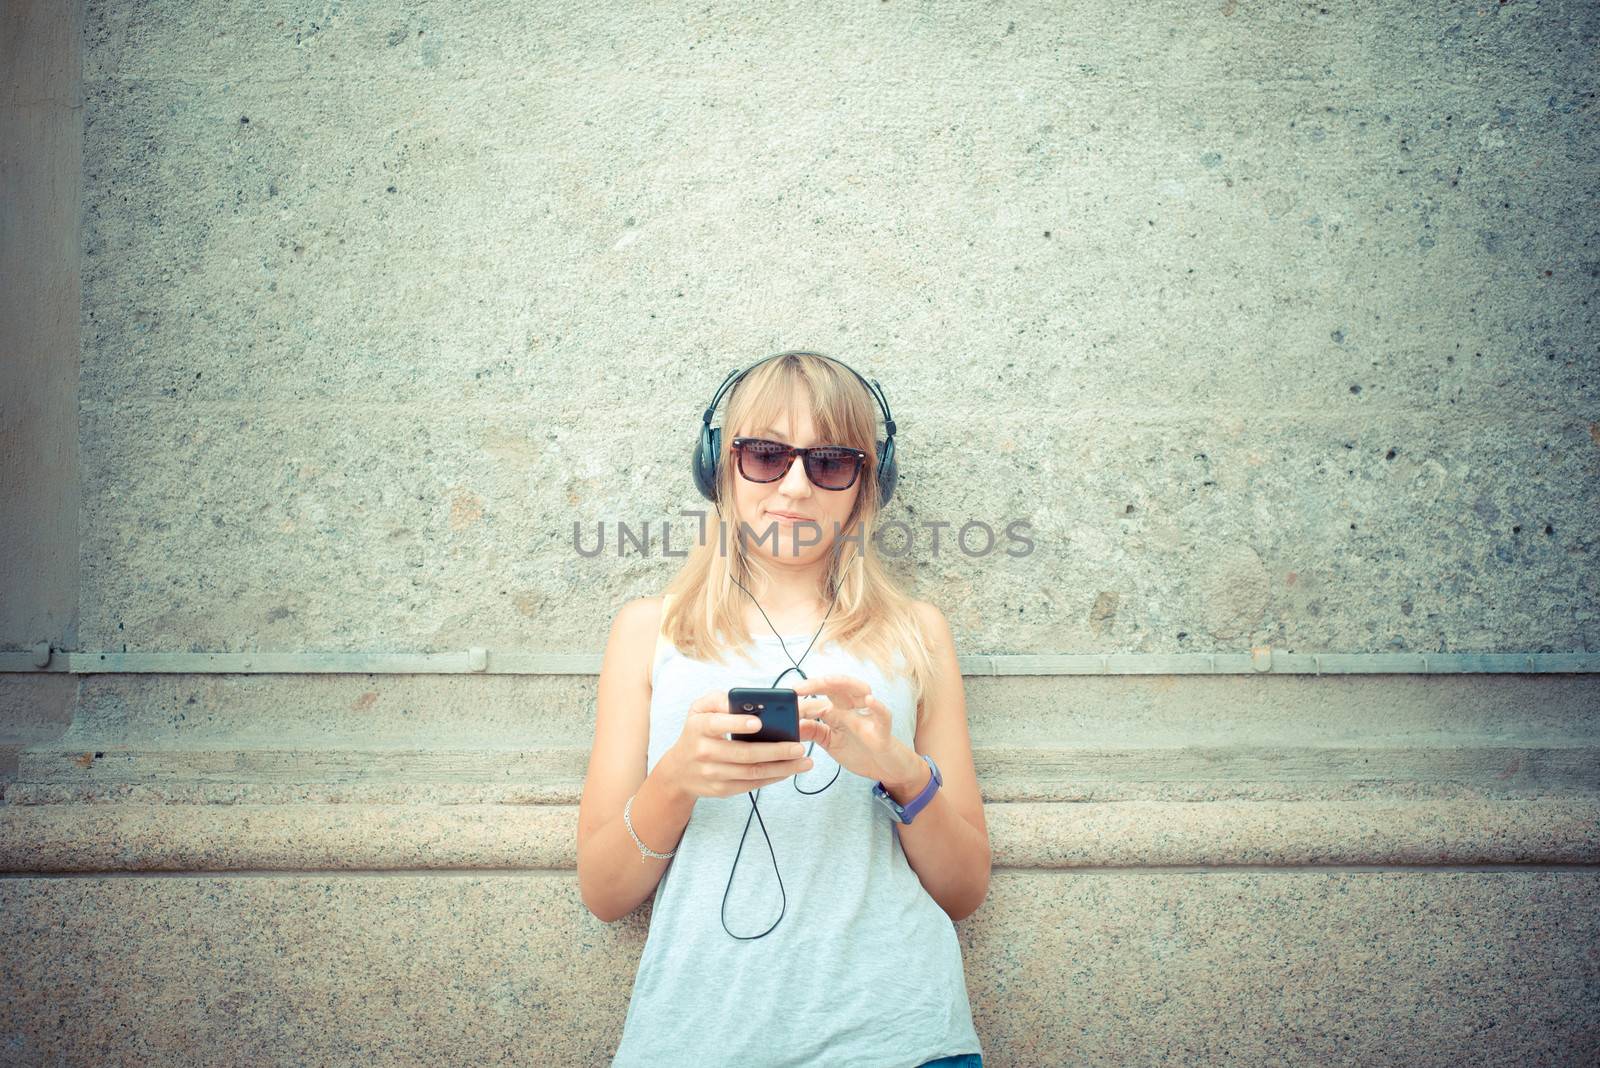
{"x": 706, "y": 455}
{"x": 888, "y": 473}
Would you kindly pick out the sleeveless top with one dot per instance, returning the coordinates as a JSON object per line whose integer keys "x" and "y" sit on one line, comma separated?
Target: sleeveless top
{"x": 863, "y": 971}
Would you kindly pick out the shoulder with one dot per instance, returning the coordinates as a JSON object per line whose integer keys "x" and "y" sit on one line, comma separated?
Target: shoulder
{"x": 935, "y": 628}
{"x": 639, "y": 621}
{"x": 633, "y": 635}
{"x": 639, "y": 616}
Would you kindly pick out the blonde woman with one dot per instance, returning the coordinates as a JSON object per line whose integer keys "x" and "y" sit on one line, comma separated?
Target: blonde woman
{"x": 836, "y": 943}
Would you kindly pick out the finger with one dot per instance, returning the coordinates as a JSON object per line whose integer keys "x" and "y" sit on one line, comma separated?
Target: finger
{"x": 844, "y": 689}
{"x": 813, "y": 707}
{"x": 714, "y": 701}
{"x": 751, "y": 787}
{"x": 813, "y": 711}
{"x": 871, "y": 706}
{"x": 842, "y": 685}
{"x": 831, "y": 710}
{"x": 726, "y": 723}
{"x": 767, "y": 769}
{"x": 814, "y": 730}
{"x": 817, "y": 707}
{"x": 733, "y": 752}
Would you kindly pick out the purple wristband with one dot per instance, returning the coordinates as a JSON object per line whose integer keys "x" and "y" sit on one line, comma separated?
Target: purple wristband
{"x": 908, "y": 812}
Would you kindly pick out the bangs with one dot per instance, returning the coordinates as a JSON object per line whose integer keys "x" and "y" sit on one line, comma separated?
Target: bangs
{"x": 840, "y": 407}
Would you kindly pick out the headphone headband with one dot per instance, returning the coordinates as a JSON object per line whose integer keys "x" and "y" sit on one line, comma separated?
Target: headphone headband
{"x": 872, "y": 387}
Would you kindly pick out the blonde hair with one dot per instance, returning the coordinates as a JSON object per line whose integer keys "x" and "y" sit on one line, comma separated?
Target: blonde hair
{"x": 872, "y": 617}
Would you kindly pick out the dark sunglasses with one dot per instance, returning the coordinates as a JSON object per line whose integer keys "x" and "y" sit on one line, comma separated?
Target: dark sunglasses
{"x": 829, "y": 467}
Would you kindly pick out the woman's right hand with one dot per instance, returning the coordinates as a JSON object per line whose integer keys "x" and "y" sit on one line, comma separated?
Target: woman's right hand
{"x": 705, "y": 764}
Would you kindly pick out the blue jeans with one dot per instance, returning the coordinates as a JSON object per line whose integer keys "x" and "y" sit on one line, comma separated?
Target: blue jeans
{"x": 959, "y": 1060}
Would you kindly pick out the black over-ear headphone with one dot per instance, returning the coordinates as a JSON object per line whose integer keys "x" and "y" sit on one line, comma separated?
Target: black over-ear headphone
{"x": 708, "y": 452}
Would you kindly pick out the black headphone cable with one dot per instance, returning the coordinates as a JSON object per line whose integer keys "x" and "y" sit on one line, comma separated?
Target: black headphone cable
{"x": 755, "y": 811}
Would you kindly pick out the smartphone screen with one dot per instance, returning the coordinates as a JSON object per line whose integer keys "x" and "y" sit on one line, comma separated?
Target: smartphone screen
{"x": 778, "y": 710}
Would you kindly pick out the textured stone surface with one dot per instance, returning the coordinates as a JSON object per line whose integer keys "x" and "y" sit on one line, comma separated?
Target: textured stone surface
{"x": 41, "y": 202}
{"x": 1127, "y": 968}
{"x": 1274, "y": 323}
{"x": 1269, "y": 320}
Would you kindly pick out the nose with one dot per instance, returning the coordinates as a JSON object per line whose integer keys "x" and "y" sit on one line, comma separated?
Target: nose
{"x": 794, "y": 482}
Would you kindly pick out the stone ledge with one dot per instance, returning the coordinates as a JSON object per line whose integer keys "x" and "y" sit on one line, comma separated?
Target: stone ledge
{"x": 1007, "y": 773}
{"x": 459, "y": 711}
{"x": 567, "y": 791}
{"x": 40, "y": 839}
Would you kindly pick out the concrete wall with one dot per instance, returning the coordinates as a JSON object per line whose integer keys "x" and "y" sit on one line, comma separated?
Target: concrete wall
{"x": 1274, "y": 322}
{"x": 41, "y": 185}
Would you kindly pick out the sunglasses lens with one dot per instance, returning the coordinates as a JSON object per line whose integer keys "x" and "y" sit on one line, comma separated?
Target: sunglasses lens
{"x": 832, "y": 468}
{"x": 763, "y": 461}
{"x": 826, "y": 467}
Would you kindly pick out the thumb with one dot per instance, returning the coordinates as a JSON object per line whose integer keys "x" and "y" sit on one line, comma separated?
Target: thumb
{"x": 814, "y": 730}
{"x": 822, "y": 712}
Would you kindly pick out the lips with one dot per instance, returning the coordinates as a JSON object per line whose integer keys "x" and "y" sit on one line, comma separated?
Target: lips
{"x": 786, "y": 515}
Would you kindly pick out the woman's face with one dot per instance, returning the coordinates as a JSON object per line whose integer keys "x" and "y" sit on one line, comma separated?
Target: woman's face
{"x": 791, "y": 522}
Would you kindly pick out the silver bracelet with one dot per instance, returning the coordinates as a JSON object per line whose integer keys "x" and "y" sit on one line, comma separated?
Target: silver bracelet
{"x": 644, "y": 850}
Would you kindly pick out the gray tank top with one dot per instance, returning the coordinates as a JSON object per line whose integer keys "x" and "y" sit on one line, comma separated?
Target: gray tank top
{"x": 863, "y": 971}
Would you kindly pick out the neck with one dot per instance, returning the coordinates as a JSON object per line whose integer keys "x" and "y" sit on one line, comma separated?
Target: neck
{"x": 790, "y": 594}
{"x": 788, "y": 590}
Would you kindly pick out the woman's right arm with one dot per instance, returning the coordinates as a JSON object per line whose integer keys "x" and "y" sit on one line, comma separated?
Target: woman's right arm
{"x": 613, "y": 876}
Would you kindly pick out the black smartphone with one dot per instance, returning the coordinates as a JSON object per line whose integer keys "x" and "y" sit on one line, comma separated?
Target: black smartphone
{"x": 778, "y": 710}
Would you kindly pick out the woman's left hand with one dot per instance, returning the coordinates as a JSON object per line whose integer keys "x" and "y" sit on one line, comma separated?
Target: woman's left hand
{"x": 855, "y": 728}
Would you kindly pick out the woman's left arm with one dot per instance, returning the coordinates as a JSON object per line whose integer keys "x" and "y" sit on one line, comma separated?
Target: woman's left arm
{"x": 947, "y": 843}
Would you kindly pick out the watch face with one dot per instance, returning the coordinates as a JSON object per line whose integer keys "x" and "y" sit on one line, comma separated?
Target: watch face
{"x": 895, "y": 811}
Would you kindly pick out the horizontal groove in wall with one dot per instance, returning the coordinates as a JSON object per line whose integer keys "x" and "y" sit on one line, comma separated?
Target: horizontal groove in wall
{"x": 568, "y": 873}
{"x": 1026, "y": 835}
{"x": 53, "y": 771}
{"x": 478, "y": 661}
